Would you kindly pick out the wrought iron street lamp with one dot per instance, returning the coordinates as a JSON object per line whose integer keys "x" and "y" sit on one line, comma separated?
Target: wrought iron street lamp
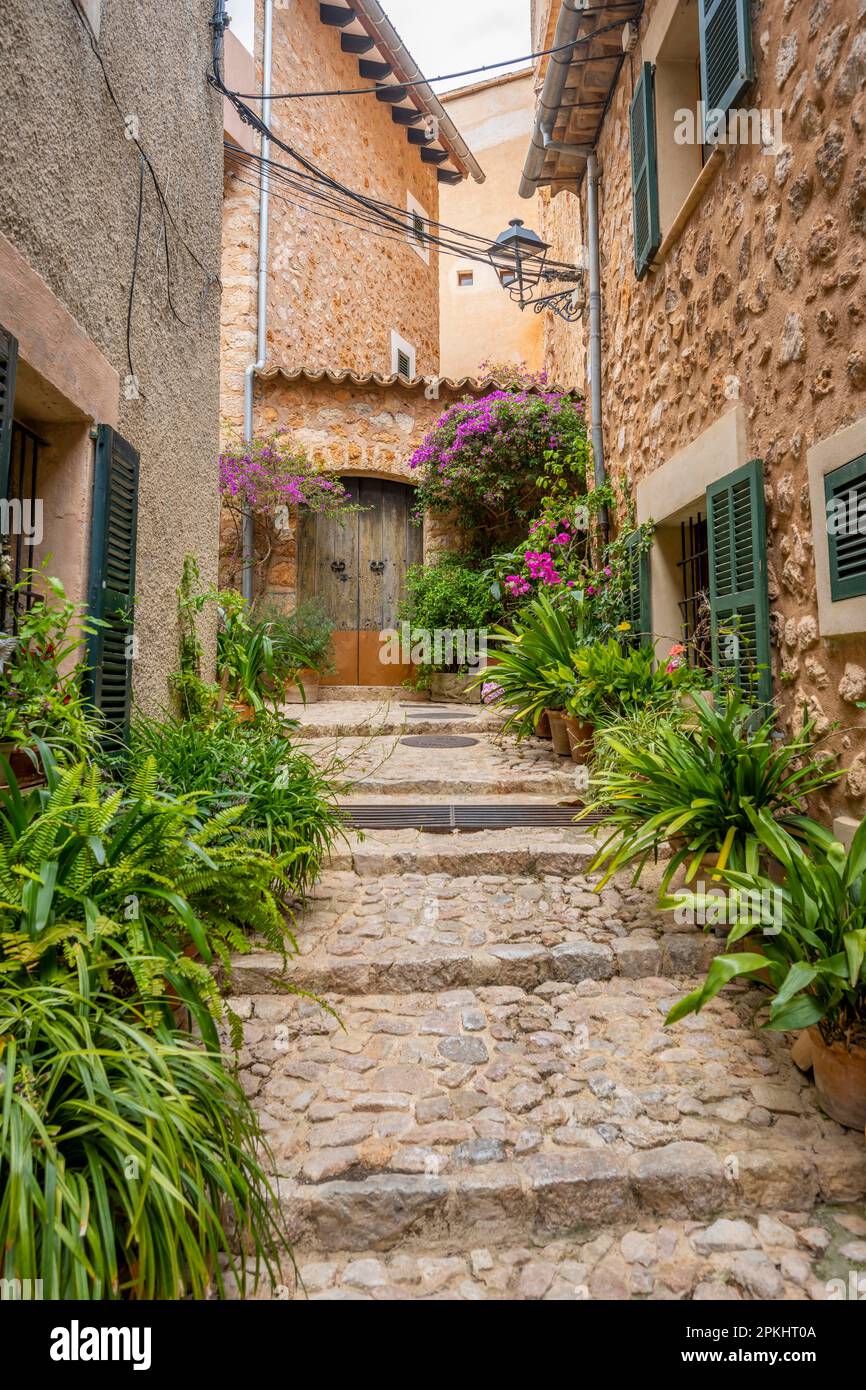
{"x": 519, "y": 257}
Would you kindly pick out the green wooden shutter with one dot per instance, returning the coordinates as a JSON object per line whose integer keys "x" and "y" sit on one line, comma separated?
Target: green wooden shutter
{"x": 639, "y": 608}
{"x": 845, "y": 494}
{"x": 8, "y": 365}
{"x": 727, "y": 62}
{"x": 112, "y": 577}
{"x": 644, "y": 171}
{"x": 739, "y": 601}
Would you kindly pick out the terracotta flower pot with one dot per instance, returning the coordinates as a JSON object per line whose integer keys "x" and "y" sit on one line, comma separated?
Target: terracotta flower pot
{"x": 579, "y": 738}
{"x": 310, "y": 681}
{"x": 840, "y": 1080}
{"x": 558, "y": 732}
{"x": 243, "y": 712}
{"x": 542, "y": 726}
{"x": 25, "y": 764}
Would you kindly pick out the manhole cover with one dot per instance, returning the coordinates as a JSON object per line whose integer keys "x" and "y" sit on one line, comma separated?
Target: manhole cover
{"x": 438, "y": 741}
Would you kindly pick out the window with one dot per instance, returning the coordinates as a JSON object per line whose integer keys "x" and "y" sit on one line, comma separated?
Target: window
{"x": 402, "y": 357}
{"x": 465, "y": 278}
{"x": 697, "y": 64}
{"x": 694, "y": 567}
{"x": 845, "y": 497}
{"x": 418, "y": 222}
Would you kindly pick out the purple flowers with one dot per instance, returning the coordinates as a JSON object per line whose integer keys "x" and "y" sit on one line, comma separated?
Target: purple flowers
{"x": 265, "y": 476}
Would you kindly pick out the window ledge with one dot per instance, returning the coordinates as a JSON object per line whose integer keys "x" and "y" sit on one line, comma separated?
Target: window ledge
{"x": 707, "y": 176}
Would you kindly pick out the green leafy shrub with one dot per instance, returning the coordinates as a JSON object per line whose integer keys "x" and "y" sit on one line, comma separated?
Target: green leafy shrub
{"x": 282, "y": 802}
{"x": 127, "y": 1158}
{"x": 815, "y": 956}
{"x": 609, "y": 681}
{"x": 531, "y": 657}
{"x": 140, "y": 880}
{"x": 449, "y": 595}
{"x": 703, "y": 784}
{"x": 302, "y": 638}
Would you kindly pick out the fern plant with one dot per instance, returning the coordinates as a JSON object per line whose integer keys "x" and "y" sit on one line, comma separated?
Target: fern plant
{"x": 141, "y": 879}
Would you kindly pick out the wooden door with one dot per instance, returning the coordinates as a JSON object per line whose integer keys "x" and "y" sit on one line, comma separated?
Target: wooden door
{"x": 357, "y": 567}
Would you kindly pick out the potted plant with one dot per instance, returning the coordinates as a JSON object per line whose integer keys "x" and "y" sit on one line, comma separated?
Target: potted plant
{"x": 812, "y": 954}
{"x": 303, "y": 649}
{"x": 534, "y": 662}
{"x": 703, "y": 784}
{"x": 448, "y": 607}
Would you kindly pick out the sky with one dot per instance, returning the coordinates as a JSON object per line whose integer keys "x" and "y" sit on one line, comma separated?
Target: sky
{"x": 442, "y": 35}
{"x": 451, "y": 35}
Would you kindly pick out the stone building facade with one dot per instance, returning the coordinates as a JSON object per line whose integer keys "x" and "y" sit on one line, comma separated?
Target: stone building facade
{"x": 744, "y": 335}
{"x": 75, "y": 192}
{"x": 352, "y": 361}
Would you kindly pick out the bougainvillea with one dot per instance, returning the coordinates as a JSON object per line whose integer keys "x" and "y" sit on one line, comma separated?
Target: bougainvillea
{"x": 266, "y": 474}
{"x": 488, "y": 463}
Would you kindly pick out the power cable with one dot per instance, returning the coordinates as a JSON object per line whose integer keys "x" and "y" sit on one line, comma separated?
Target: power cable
{"x": 452, "y": 76}
{"x": 134, "y": 276}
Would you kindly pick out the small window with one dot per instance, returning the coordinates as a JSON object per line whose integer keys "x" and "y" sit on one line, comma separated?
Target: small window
{"x": 465, "y": 278}
{"x": 417, "y": 227}
{"x": 845, "y": 495}
{"x": 402, "y": 357}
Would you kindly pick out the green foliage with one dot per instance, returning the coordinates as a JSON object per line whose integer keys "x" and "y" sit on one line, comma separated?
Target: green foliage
{"x": 704, "y": 784}
{"x": 609, "y": 682}
{"x": 302, "y": 638}
{"x": 449, "y": 595}
{"x": 127, "y": 1158}
{"x": 137, "y": 879}
{"x": 531, "y": 658}
{"x": 281, "y": 801}
{"x": 815, "y": 956}
{"x": 40, "y": 695}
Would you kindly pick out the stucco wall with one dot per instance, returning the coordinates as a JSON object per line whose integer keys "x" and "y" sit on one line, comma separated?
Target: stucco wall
{"x": 480, "y": 322}
{"x": 334, "y": 292}
{"x": 69, "y": 205}
{"x": 760, "y": 301}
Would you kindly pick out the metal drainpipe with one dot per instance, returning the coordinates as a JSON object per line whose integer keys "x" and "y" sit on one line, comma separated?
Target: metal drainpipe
{"x": 262, "y": 301}
{"x": 595, "y": 327}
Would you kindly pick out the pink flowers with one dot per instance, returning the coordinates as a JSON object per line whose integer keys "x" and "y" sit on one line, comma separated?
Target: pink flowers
{"x": 676, "y": 657}
{"x": 517, "y": 585}
{"x": 491, "y": 692}
{"x": 542, "y": 567}
{"x": 264, "y": 476}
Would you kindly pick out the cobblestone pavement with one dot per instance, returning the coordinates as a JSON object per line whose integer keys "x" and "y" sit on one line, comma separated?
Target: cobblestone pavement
{"x": 494, "y": 1108}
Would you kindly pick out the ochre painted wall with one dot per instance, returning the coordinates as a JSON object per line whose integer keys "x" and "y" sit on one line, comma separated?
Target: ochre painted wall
{"x": 480, "y": 322}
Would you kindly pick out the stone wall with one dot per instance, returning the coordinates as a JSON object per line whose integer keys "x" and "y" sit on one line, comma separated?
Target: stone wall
{"x": 335, "y": 292}
{"x": 349, "y": 429}
{"x": 761, "y": 299}
{"x": 69, "y": 208}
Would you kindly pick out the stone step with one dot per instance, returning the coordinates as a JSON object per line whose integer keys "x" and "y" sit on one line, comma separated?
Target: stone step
{"x": 403, "y": 933}
{"x": 501, "y": 1114}
{"x": 780, "y": 1255}
{"x": 520, "y": 851}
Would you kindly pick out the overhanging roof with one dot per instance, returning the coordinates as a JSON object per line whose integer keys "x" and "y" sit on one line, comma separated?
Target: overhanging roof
{"x": 385, "y": 61}
{"x": 577, "y": 85}
{"x": 342, "y": 377}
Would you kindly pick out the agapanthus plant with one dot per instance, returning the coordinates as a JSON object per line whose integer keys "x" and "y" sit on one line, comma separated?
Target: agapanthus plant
{"x": 487, "y": 464}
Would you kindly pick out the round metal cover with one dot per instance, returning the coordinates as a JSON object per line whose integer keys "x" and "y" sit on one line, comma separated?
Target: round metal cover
{"x": 438, "y": 741}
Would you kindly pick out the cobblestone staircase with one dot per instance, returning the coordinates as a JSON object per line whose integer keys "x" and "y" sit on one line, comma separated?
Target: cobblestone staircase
{"x": 497, "y": 1110}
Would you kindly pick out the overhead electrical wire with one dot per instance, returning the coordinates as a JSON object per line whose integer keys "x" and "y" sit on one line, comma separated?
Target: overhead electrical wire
{"x": 452, "y": 76}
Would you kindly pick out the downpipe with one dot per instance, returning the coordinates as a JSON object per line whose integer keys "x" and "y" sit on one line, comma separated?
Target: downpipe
{"x": 247, "y": 577}
{"x": 595, "y": 331}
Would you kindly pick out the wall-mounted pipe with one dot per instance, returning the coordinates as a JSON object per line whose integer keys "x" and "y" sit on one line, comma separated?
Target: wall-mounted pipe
{"x": 247, "y": 584}
{"x": 595, "y": 325}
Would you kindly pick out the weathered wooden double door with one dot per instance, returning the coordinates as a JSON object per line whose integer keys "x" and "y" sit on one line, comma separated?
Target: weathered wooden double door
{"x": 357, "y": 568}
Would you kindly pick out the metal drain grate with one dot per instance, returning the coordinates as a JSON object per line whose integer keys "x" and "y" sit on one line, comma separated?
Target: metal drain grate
{"x": 438, "y": 741}
{"x": 448, "y": 817}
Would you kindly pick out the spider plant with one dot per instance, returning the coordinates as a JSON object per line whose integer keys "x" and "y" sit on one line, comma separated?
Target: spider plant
{"x": 126, "y": 1157}
{"x": 815, "y": 957}
{"x": 702, "y": 783}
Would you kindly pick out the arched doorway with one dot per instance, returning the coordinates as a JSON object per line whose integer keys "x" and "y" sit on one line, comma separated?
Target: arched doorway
{"x": 357, "y": 567}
